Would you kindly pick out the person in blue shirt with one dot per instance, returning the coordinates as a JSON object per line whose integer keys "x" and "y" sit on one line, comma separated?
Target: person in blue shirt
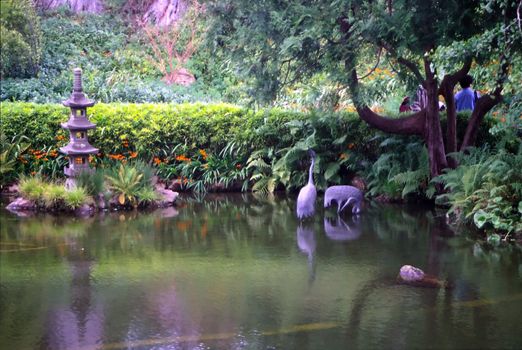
{"x": 465, "y": 99}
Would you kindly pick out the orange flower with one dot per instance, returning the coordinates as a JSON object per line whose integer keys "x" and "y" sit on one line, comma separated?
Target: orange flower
{"x": 117, "y": 156}
{"x": 133, "y": 154}
{"x": 156, "y": 161}
{"x": 182, "y": 158}
{"x": 203, "y": 153}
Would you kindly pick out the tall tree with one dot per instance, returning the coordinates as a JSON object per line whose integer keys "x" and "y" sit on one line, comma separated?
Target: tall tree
{"x": 280, "y": 42}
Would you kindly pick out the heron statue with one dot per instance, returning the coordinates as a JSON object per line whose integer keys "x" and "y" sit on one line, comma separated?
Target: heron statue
{"x": 308, "y": 194}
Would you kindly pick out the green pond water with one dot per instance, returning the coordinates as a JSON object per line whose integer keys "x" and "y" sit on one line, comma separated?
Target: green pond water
{"x": 240, "y": 272}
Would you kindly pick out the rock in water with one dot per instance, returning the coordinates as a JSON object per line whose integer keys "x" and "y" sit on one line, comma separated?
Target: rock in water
{"x": 410, "y": 273}
{"x": 21, "y": 204}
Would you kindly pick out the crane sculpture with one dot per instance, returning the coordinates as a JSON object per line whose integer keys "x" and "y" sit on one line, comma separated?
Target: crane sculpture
{"x": 307, "y": 194}
{"x": 344, "y": 196}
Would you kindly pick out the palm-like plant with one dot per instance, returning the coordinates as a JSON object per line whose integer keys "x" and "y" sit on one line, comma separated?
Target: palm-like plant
{"x": 126, "y": 183}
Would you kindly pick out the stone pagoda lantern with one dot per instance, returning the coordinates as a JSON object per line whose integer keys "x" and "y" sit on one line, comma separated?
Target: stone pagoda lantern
{"x": 78, "y": 149}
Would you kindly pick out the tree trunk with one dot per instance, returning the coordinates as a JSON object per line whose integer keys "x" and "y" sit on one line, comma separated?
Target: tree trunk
{"x": 446, "y": 90}
{"x": 425, "y": 123}
{"x": 432, "y": 128}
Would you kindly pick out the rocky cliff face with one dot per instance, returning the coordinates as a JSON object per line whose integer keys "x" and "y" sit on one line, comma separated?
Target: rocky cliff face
{"x": 92, "y": 6}
{"x": 160, "y": 12}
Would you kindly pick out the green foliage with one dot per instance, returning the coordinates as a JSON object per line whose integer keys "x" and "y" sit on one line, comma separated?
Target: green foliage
{"x": 51, "y": 195}
{"x": 76, "y": 197}
{"x": 268, "y": 145}
{"x": 92, "y": 181}
{"x": 20, "y": 38}
{"x": 277, "y": 44}
{"x": 147, "y": 195}
{"x": 32, "y": 188}
{"x": 115, "y": 62}
{"x": 342, "y": 144}
{"x": 126, "y": 183}
{"x": 486, "y": 189}
{"x": 54, "y": 195}
{"x": 401, "y": 170}
{"x": 10, "y": 151}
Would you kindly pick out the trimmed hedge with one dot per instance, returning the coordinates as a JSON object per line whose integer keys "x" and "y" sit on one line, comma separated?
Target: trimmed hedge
{"x": 149, "y": 128}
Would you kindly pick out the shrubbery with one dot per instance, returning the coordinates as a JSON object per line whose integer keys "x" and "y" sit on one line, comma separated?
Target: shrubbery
{"x": 20, "y": 38}
{"x": 272, "y": 143}
{"x": 486, "y": 189}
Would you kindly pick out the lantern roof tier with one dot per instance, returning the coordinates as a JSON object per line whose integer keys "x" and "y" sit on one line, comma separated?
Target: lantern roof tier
{"x": 78, "y": 98}
{"x": 78, "y": 102}
{"x": 78, "y": 124}
{"x": 78, "y": 149}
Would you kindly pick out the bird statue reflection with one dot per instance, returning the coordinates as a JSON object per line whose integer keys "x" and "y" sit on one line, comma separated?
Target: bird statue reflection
{"x": 306, "y": 243}
{"x": 340, "y": 230}
{"x": 308, "y": 194}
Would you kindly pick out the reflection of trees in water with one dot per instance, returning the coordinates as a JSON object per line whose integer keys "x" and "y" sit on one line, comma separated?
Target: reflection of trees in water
{"x": 42, "y": 229}
{"x": 401, "y": 227}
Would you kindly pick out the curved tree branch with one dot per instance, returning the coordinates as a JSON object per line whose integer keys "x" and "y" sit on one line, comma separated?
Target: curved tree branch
{"x": 410, "y": 125}
{"x": 484, "y": 105}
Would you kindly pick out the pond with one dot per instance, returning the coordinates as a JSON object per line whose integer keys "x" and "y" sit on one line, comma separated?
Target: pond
{"x": 240, "y": 272}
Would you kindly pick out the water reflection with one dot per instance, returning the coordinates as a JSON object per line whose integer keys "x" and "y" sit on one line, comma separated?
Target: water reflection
{"x": 340, "y": 230}
{"x": 307, "y": 244}
{"x": 81, "y": 322}
{"x": 224, "y": 273}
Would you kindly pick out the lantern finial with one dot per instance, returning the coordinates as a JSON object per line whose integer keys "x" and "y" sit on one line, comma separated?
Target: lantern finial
{"x": 77, "y": 86}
